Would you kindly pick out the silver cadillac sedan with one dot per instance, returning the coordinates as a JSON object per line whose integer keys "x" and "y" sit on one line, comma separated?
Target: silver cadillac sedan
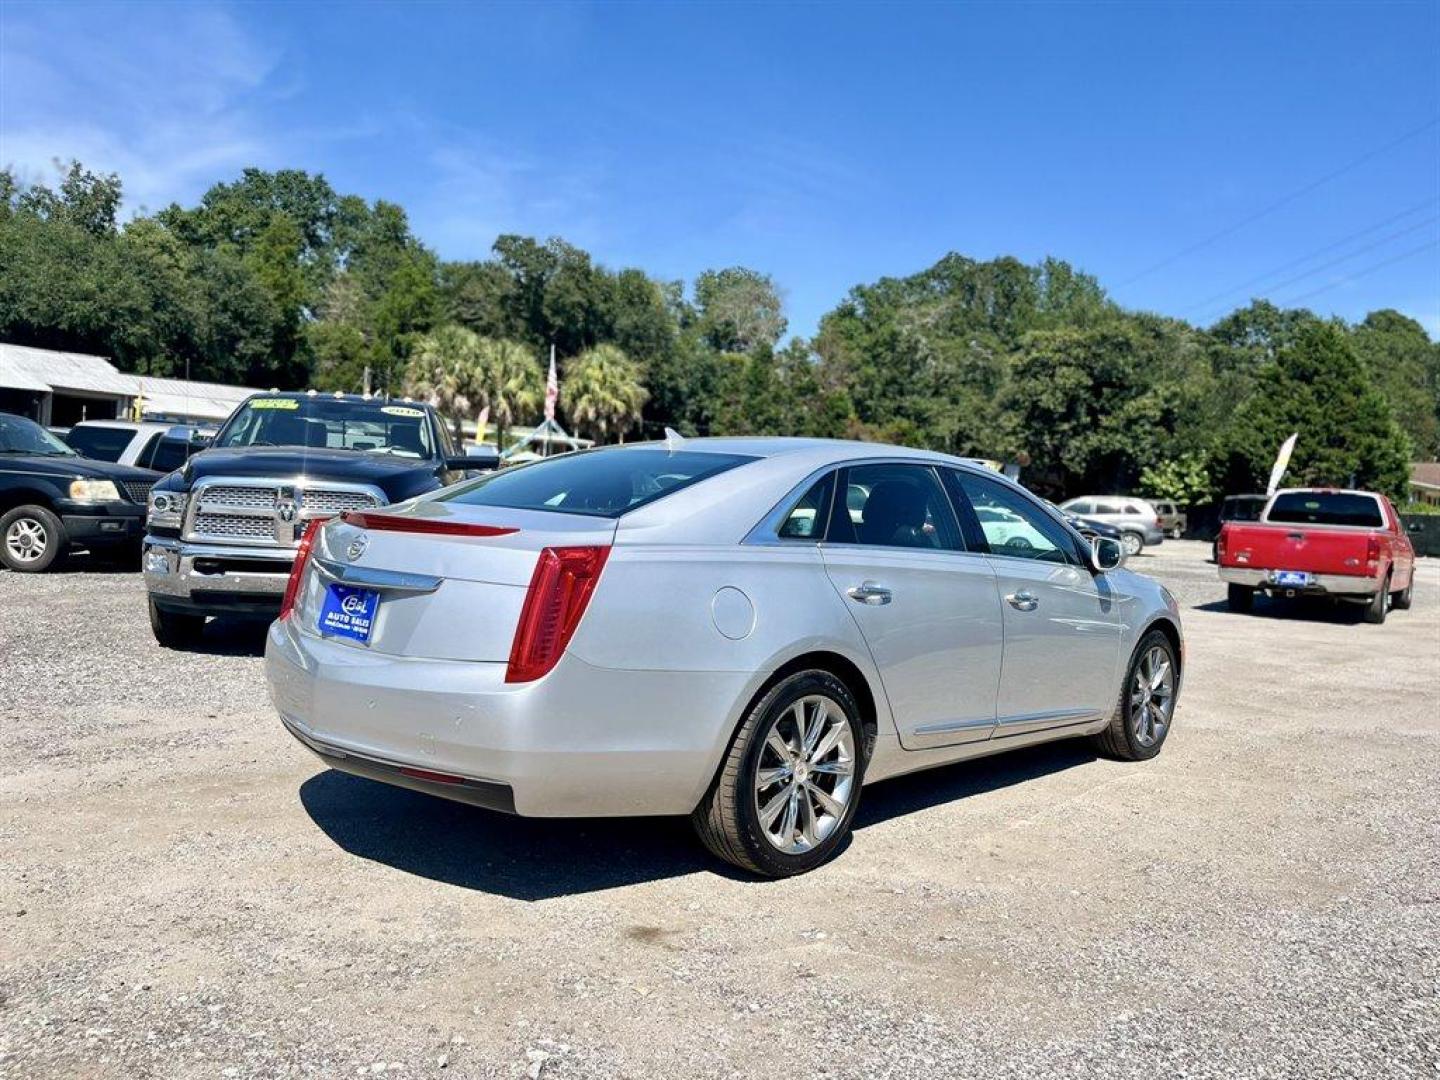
{"x": 745, "y": 631}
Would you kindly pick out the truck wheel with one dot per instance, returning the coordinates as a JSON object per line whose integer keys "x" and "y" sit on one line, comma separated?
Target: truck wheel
{"x": 1400, "y": 601}
{"x": 32, "y": 539}
{"x": 1241, "y": 598}
{"x": 1379, "y": 605}
{"x": 175, "y": 630}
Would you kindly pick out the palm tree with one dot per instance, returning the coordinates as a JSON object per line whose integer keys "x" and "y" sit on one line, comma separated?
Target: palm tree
{"x": 440, "y": 369}
{"x": 604, "y": 391}
{"x": 506, "y": 376}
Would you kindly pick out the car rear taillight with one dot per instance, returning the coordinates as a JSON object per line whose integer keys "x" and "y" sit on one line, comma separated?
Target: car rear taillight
{"x": 1372, "y": 550}
{"x": 297, "y": 569}
{"x": 564, "y": 580}
{"x": 1220, "y": 545}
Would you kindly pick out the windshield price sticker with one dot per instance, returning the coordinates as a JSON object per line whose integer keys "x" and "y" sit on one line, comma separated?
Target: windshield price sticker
{"x": 400, "y": 410}
{"x": 275, "y": 403}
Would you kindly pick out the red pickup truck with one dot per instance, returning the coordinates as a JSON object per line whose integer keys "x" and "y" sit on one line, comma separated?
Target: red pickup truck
{"x": 1349, "y": 545}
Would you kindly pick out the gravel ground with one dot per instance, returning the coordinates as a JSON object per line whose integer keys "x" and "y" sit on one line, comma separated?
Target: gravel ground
{"x": 185, "y": 892}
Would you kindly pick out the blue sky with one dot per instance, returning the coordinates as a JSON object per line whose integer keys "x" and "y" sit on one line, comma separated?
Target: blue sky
{"x": 1189, "y": 155}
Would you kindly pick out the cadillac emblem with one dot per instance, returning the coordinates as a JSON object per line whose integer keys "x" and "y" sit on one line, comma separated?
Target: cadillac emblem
{"x": 357, "y": 547}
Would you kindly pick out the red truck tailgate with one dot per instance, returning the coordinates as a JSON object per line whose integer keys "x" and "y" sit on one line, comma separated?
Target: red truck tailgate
{"x": 1297, "y": 547}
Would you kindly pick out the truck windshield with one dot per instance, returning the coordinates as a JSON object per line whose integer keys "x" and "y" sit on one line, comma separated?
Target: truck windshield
{"x": 376, "y": 427}
{"x": 1326, "y": 508}
{"x": 600, "y": 483}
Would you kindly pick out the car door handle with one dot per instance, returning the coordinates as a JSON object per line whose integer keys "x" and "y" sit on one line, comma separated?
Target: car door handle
{"x": 869, "y": 592}
{"x": 1023, "y": 601}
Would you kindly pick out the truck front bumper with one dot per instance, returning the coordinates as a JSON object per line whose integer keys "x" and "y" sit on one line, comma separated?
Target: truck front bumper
{"x": 1320, "y": 584}
{"x": 214, "y": 579}
{"x": 101, "y": 525}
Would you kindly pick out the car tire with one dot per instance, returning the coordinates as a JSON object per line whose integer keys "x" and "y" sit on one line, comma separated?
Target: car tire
{"x": 1379, "y": 605}
{"x": 1131, "y": 543}
{"x": 1142, "y": 721}
{"x": 1401, "y": 601}
{"x": 1241, "y": 598}
{"x": 32, "y": 540}
{"x": 175, "y": 629}
{"x": 767, "y": 766}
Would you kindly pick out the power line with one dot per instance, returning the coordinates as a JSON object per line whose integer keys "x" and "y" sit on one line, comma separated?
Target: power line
{"x": 1364, "y": 273}
{"x": 1208, "y": 301}
{"x": 1285, "y": 201}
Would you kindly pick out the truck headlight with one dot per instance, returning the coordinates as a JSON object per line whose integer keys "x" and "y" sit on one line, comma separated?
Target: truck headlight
{"x": 165, "y": 508}
{"x": 94, "y": 491}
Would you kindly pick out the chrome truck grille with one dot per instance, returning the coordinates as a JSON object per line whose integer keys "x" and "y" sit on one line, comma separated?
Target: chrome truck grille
{"x": 268, "y": 514}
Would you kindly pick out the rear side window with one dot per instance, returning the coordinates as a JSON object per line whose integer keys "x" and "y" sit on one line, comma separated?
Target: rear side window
{"x": 100, "y": 443}
{"x": 599, "y": 483}
{"x": 806, "y": 519}
{"x": 1327, "y": 508}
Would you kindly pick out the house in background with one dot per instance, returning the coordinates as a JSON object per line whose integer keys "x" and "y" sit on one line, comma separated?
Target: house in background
{"x": 1425, "y": 482}
{"x": 59, "y": 389}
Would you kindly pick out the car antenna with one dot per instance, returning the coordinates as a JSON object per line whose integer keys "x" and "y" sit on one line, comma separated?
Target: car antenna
{"x": 673, "y": 440}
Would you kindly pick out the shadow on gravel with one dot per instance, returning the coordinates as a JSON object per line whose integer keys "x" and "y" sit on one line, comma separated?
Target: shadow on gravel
{"x": 522, "y": 858}
{"x": 542, "y": 858}
{"x": 1308, "y": 610}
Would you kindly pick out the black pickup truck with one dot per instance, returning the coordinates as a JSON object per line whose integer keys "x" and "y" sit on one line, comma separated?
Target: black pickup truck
{"x": 52, "y": 500}
{"x": 224, "y": 527}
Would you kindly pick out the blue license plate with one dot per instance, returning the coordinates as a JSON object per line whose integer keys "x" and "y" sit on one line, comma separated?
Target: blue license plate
{"x": 349, "y": 612}
{"x": 1292, "y": 578}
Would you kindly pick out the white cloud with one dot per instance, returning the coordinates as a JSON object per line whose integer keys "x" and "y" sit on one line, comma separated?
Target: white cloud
{"x": 168, "y": 96}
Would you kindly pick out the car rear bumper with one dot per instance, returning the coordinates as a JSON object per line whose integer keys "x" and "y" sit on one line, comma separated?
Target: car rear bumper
{"x": 207, "y": 579}
{"x": 583, "y": 741}
{"x": 1320, "y": 584}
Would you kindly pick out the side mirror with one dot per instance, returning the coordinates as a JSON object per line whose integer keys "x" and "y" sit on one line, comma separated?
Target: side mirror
{"x": 1106, "y": 554}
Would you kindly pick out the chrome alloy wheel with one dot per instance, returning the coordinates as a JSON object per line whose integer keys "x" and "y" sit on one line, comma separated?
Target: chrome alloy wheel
{"x": 1131, "y": 543}
{"x": 805, "y": 776}
{"x": 1152, "y": 696}
{"x": 26, "y": 539}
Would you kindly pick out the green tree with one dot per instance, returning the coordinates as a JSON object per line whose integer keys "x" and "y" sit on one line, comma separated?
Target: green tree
{"x": 1405, "y": 366}
{"x": 603, "y": 392}
{"x": 739, "y": 309}
{"x": 1184, "y": 480}
{"x": 1317, "y": 387}
{"x": 508, "y": 379}
{"x": 443, "y": 369}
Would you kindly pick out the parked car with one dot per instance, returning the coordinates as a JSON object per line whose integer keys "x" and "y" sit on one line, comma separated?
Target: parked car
{"x": 1347, "y": 545}
{"x": 161, "y": 447}
{"x": 1089, "y": 528}
{"x": 1136, "y": 519}
{"x": 1173, "y": 520}
{"x": 223, "y": 530}
{"x": 52, "y": 500}
{"x": 742, "y": 630}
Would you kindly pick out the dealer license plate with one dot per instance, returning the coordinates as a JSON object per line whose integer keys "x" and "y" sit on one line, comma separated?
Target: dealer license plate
{"x": 349, "y": 612}
{"x": 1292, "y": 578}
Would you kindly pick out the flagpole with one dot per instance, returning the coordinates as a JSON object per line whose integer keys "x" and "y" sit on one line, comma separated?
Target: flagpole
{"x": 552, "y": 392}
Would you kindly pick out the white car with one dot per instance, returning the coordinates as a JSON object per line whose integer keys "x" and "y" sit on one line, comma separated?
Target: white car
{"x": 162, "y": 447}
{"x": 741, "y": 630}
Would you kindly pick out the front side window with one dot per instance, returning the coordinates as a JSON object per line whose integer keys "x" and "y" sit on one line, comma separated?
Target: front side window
{"x": 894, "y": 506}
{"x": 1010, "y": 524}
{"x": 1079, "y": 506}
{"x": 806, "y": 519}
{"x": 100, "y": 443}
{"x": 1326, "y": 508}
{"x": 598, "y": 483}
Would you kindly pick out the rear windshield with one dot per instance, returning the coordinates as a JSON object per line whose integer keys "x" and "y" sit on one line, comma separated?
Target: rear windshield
{"x": 102, "y": 443}
{"x": 1326, "y": 508}
{"x": 600, "y": 483}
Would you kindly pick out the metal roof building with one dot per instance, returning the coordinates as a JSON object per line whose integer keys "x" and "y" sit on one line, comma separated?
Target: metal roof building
{"x": 63, "y": 388}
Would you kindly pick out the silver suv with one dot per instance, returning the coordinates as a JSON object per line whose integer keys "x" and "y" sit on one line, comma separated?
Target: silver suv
{"x": 1136, "y": 519}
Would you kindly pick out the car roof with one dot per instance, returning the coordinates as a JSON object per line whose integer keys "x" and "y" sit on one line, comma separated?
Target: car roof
{"x": 774, "y": 446}
{"x": 127, "y": 425}
{"x": 358, "y": 399}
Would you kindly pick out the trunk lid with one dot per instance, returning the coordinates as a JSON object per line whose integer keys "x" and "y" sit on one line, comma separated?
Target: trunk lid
{"x": 454, "y": 594}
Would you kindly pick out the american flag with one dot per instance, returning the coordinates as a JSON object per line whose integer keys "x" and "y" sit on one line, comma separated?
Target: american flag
{"x": 552, "y": 388}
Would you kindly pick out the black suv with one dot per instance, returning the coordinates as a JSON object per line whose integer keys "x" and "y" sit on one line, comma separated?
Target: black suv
{"x": 53, "y": 500}
{"x": 223, "y": 529}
